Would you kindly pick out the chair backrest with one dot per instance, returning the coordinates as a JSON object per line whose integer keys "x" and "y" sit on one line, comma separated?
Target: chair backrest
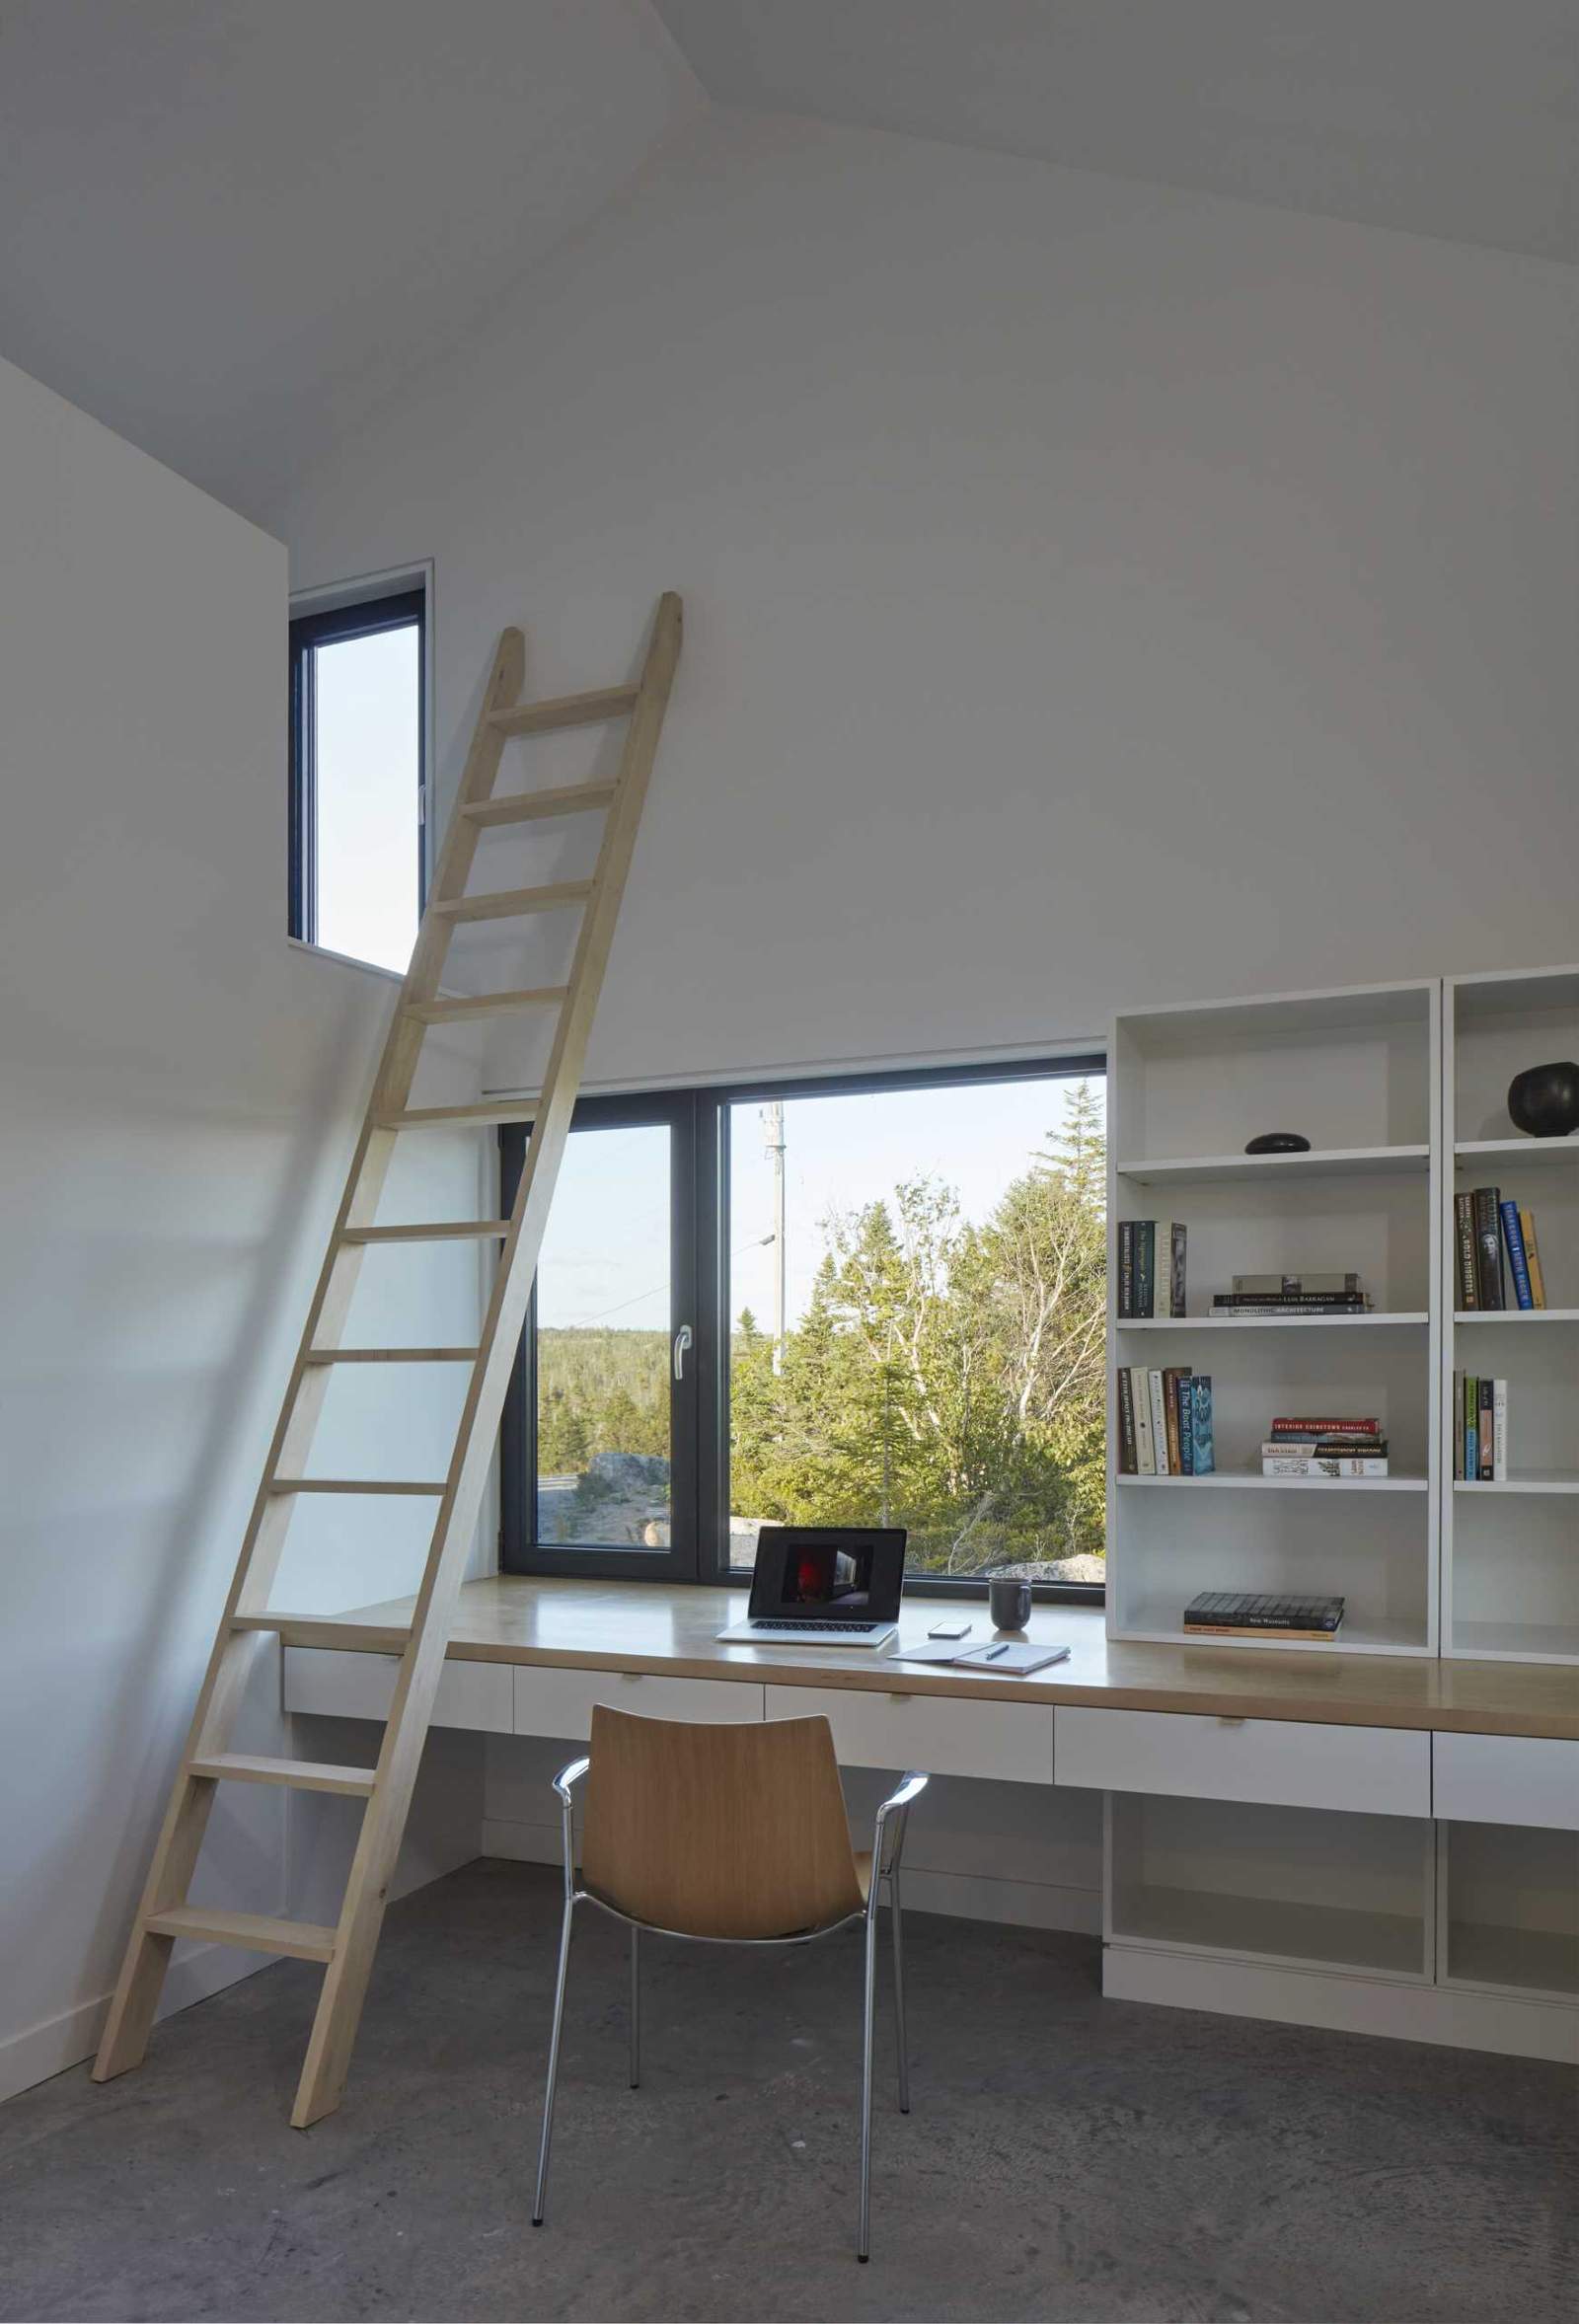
{"x": 718, "y": 1831}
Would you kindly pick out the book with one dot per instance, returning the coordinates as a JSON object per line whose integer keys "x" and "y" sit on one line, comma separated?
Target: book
{"x": 1291, "y": 1446}
{"x": 1159, "y": 1405}
{"x": 1323, "y": 1424}
{"x": 1126, "y": 1423}
{"x": 1324, "y": 1464}
{"x": 1296, "y": 1310}
{"x": 1289, "y": 1300}
{"x": 1178, "y": 1236}
{"x": 1499, "y": 1432}
{"x": 1532, "y": 1253}
{"x": 1465, "y": 1250}
{"x": 1145, "y": 1264}
{"x": 1258, "y": 1286}
{"x": 1484, "y": 1426}
{"x": 1126, "y": 1270}
{"x": 1518, "y": 1264}
{"x": 1201, "y": 1430}
{"x": 1455, "y": 1424}
{"x": 1470, "y": 1425}
{"x": 1170, "y": 1380}
{"x": 1253, "y": 1613}
{"x": 1145, "y": 1451}
{"x": 1489, "y": 1247}
{"x": 1186, "y": 1423}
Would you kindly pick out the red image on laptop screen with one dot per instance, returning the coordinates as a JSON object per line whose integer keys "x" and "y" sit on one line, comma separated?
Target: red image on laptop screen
{"x": 831, "y": 1574}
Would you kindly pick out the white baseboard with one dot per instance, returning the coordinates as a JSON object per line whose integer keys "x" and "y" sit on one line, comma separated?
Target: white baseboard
{"x": 1510, "y": 2024}
{"x": 967, "y": 1896}
{"x": 44, "y": 2051}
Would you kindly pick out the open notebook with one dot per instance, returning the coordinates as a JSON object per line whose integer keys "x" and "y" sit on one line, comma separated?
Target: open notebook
{"x": 1007, "y": 1659}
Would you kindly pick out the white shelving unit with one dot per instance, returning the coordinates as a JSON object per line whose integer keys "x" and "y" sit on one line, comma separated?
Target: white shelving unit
{"x": 1358, "y": 1073}
{"x": 1510, "y": 1552}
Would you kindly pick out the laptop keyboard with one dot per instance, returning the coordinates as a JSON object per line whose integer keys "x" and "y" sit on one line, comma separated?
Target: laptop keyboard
{"x": 794, "y": 1622}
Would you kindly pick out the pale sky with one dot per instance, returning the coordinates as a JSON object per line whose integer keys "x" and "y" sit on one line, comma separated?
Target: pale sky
{"x": 368, "y": 695}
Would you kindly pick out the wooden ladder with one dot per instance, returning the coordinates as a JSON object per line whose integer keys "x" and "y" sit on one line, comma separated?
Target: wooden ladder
{"x": 346, "y": 1949}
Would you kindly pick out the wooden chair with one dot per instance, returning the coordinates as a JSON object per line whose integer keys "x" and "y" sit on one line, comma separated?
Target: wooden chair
{"x": 734, "y": 1836}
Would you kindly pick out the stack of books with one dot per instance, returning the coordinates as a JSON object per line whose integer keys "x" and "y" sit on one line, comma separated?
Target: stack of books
{"x": 1293, "y": 1296}
{"x": 1488, "y": 1226}
{"x": 1322, "y": 1446}
{"x": 1165, "y": 1422}
{"x": 1480, "y": 1433}
{"x": 1144, "y": 1247}
{"x": 1255, "y": 1614}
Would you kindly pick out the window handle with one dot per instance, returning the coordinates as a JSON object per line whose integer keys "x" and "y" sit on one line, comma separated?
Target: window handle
{"x": 683, "y": 1339}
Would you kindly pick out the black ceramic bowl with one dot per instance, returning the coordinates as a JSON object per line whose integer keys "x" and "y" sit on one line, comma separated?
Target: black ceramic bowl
{"x": 1544, "y": 1099}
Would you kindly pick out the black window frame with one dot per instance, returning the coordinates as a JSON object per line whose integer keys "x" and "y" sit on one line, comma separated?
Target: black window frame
{"x": 366, "y": 617}
{"x": 702, "y": 1417}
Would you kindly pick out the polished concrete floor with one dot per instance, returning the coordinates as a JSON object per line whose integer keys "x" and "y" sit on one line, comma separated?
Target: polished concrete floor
{"x": 1067, "y": 2158}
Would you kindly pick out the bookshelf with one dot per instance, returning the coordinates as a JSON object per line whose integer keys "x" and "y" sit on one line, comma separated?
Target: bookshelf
{"x": 1358, "y": 1072}
{"x": 1510, "y": 1551}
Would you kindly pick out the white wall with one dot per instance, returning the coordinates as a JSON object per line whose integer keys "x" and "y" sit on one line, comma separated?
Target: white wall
{"x": 180, "y": 1088}
{"x": 1095, "y": 593}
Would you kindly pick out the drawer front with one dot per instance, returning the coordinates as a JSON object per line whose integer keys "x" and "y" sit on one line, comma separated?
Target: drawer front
{"x": 560, "y": 1702}
{"x": 1376, "y": 1770}
{"x": 939, "y": 1735}
{"x": 1506, "y": 1780}
{"x": 473, "y": 1695}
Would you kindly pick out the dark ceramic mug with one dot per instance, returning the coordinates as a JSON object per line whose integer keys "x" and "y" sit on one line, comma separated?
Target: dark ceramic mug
{"x": 1010, "y": 1604}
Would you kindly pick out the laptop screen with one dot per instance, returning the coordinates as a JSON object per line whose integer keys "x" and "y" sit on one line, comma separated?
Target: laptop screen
{"x": 828, "y": 1573}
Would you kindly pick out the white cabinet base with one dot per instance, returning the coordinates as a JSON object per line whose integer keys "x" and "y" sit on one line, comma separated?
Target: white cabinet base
{"x": 1514, "y": 2027}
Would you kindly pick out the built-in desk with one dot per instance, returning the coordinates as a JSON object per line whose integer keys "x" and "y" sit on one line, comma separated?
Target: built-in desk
{"x": 1379, "y": 1842}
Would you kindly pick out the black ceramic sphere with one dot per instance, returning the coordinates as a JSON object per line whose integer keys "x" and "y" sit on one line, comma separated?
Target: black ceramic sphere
{"x": 1279, "y": 1142}
{"x": 1544, "y": 1099}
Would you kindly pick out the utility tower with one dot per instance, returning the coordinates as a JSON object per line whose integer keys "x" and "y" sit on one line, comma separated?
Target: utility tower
{"x": 772, "y": 1146}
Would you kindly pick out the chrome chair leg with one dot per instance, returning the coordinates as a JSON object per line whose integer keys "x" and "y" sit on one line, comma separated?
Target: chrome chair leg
{"x": 896, "y": 1917}
{"x": 553, "y": 2061}
{"x": 863, "y": 2242}
{"x": 635, "y": 2007}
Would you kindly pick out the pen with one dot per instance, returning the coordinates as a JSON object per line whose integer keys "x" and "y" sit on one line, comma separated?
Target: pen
{"x": 993, "y": 1652}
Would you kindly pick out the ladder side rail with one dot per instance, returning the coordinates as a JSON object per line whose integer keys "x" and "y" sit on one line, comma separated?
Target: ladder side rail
{"x": 180, "y": 1834}
{"x": 339, "y": 2005}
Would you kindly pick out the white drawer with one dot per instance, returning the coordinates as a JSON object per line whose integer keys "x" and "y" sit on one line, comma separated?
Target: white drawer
{"x": 937, "y": 1734}
{"x": 1380, "y": 1770}
{"x": 553, "y": 1702}
{"x": 1506, "y": 1780}
{"x": 327, "y": 1680}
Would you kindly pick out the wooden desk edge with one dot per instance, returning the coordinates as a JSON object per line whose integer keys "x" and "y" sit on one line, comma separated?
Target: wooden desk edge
{"x": 346, "y": 1636}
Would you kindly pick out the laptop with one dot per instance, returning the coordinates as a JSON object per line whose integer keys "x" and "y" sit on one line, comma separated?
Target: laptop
{"x": 824, "y": 1586}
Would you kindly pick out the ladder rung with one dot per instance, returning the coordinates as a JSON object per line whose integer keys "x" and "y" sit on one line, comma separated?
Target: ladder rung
{"x": 526, "y": 807}
{"x": 488, "y": 1005}
{"x": 440, "y": 1230}
{"x": 253, "y": 1933}
{"x": 516, "y": 902}
{"x": 390, "y": 1356}
{"x": 351, "y": 1485}
{"x": 327, "y": 1630}
{"x": 487, "y": 1109}
{"x": 565, "y": 710}
{"x": 239, "y": 1766}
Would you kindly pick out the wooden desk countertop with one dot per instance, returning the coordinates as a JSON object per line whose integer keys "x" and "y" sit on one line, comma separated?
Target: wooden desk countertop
{"x": 670, "y": 1629}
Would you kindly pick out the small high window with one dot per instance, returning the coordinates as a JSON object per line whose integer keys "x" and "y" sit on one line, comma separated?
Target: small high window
{"x": 358, "y": 777}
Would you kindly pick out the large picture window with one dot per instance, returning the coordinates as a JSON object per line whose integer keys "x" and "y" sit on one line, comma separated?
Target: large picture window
{"x": 838, "y": 1302}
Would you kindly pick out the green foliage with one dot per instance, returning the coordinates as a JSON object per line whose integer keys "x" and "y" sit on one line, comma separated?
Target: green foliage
{"x": 944, "y": 1376}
